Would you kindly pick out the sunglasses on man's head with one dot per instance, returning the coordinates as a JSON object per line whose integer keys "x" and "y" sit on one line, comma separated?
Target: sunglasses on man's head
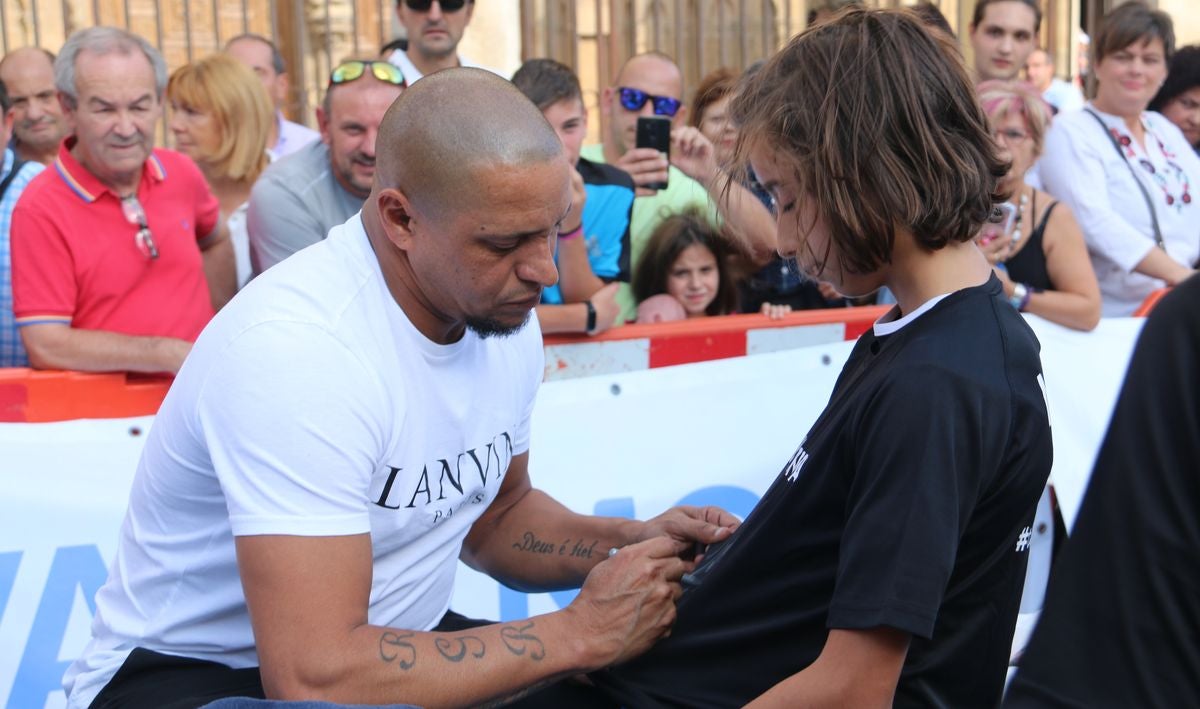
{"x": 633, "y": 100}
{"x": 346, "y": 72}
{"x": 424, "y": 5}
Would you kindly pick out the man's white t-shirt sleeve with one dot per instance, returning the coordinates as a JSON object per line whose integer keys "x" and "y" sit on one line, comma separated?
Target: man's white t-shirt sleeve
{"x": 535, "y": 359}
{"x": 293, "y": 445}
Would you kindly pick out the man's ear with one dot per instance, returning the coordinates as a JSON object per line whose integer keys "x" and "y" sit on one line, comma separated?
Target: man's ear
{"x": 68, "y": 109}
{"x": 606, "y": 101}
{"x": 6, "y": 131}
{"x": 396, "y": 216}
{"x": 680, "y": 118}
{"x": 323, "y": 124}
{"x": 280, "y": 89}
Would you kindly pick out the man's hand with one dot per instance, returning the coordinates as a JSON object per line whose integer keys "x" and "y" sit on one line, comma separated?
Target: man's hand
{"x": 646, "y": 166}
{"x": 574, "y": 218}
{"x": 692, "y": 153}
{"x": 627, "y": 602}
{"x": 663, "y": 307}
{"x": 691, "y": 525}
{"x": 607, "y": 308}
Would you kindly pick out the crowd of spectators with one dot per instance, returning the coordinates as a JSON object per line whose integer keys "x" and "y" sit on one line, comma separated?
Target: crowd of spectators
{"x": 244, "y": 188}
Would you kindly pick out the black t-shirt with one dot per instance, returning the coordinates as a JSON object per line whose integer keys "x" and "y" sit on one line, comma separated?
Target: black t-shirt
{"x": 1121, "y": 623}
{"x": 907, "y": 505}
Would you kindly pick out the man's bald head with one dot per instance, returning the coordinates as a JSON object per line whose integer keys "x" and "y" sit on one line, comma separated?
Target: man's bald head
{"x": 451, "y": 123}
{"x": 654, "y": 66}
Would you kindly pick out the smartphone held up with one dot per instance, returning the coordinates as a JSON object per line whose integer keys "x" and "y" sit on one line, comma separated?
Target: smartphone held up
{"x": 999, "y": 224}
{"x": 655, "y": 132}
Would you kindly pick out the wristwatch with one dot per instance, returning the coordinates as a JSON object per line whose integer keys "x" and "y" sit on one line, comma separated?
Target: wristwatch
{"x": 591, "y": 317}
{"x": 1020, "y": 297}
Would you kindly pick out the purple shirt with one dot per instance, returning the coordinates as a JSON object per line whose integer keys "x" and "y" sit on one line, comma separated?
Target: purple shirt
{"x": 292, "y": 137}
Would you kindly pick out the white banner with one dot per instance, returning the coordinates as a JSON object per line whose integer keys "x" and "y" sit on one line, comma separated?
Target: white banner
{"x": 628, "y": 444}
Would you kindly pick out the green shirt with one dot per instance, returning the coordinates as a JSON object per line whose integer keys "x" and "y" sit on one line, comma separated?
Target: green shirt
{"x": 682, "y": 193}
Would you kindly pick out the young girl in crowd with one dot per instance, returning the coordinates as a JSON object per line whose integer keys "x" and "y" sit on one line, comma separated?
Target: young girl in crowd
{"x": 884, "y": 565}
{"x": 1041, "y": 261}
{"x": 221, "y": 118}
{"x": 686, "y": 272}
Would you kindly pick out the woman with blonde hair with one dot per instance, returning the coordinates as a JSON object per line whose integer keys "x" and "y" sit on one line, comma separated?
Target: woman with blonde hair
{"x": 1040, "y": 259}
{"x": 221, "y": 118}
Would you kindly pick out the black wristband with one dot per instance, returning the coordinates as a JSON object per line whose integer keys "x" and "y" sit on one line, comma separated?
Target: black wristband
{"x": 591, "y": 317}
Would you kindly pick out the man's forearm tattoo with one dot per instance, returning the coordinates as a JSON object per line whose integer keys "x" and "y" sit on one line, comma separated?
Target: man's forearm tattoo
{"x": 395, "y": 647}
{"x": 455, "y": 649}
{"x": 576, "y": 548}
{"x": 519, "y": 640}
{"x": 398, "y": 648}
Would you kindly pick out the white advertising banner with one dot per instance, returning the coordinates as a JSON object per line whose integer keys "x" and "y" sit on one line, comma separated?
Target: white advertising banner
{"x": 630, "y": 444}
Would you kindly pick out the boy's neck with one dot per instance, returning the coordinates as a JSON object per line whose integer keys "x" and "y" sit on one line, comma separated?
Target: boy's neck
{"x": 916, "y": 275}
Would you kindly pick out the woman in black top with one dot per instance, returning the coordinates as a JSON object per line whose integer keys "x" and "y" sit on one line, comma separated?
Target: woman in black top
{"x": 1042, "y": 260}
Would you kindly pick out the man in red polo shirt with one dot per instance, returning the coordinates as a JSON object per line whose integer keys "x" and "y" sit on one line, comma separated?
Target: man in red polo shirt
{"x": 119, "y": 258}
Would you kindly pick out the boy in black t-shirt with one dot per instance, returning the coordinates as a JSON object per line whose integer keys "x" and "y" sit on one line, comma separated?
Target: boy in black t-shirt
{"x": 885, "y": 564}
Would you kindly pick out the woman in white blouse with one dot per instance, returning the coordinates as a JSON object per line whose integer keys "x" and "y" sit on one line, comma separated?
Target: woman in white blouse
{"x": 1128, "y": 174}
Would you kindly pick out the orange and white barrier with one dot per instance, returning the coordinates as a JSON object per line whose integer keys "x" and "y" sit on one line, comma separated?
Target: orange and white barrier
{"x": 617, "y": 430}
{"x": 636, "y": 347}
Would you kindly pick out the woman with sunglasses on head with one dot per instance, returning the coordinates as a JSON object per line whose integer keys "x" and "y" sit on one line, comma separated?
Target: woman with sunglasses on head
{"x": 1127, "y": 173}
{"x": 884, "y": 565}
{"x": 221, "y": 118}
{"x": 1040, "y": 259}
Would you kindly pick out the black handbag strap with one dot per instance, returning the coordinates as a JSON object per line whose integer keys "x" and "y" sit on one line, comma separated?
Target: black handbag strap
{"x": 18, "y": 163}
{"x": 1158, "y": 239}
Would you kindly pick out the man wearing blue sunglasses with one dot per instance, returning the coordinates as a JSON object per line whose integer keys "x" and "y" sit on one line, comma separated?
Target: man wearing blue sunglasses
{"x": 652, "y": 85}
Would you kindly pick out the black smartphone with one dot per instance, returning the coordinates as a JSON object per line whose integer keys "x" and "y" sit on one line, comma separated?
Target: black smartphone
{"x": 654, "y": 132}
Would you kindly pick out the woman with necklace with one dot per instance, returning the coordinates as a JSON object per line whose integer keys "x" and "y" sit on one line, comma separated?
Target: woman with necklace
{"x": 1042, "y": 260}
{"x": 1128, "y": 173}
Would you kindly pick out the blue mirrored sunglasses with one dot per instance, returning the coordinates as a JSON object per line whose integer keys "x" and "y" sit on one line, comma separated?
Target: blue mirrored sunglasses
{"x": 633, "y": 100}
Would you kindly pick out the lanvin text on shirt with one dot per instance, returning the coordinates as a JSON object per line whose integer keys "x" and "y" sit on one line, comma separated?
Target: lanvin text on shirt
{"x": 448, "y": 484}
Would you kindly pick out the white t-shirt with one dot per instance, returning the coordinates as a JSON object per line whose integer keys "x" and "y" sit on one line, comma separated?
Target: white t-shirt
{"x": 240, "y": 238}
{"x": 412, "y": 74}
{"x": 1081, "y": 167}
{"x": 1063, "y": 95}
{"x": 310, "y": 406}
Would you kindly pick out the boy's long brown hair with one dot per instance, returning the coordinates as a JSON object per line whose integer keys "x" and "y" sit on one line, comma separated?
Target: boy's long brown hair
{"x": 876, "y": 119}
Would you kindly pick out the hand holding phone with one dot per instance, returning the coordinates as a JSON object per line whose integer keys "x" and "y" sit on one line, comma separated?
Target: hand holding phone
{"x": 999, "y": 224}
{"x": 655, "y": 133}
